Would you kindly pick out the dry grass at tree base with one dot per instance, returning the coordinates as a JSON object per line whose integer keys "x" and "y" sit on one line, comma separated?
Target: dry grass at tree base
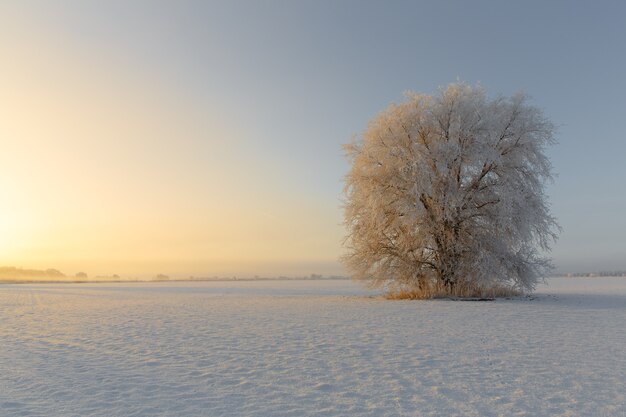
{"x": 460, "y": 291}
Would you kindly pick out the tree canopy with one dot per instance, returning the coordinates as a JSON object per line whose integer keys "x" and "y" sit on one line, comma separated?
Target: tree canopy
{"x": 448, "y": 192}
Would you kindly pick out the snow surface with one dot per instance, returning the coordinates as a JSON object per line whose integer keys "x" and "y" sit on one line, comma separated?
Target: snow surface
{"x": 309, "y": 348}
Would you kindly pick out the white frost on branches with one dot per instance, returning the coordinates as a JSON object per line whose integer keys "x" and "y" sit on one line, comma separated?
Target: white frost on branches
{"x": 449, "y": 190}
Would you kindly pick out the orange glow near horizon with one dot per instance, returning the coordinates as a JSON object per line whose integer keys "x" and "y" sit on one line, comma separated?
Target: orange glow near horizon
{"x": 108, "y": 169}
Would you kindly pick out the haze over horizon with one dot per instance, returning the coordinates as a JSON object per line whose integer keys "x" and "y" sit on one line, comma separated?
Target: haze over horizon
{"x": 204, "y": 138}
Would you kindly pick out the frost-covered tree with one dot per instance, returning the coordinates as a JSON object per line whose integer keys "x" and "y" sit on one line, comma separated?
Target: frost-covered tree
{"x": 446, "y": 194}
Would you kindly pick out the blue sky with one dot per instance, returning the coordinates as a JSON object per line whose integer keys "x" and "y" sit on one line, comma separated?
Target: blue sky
{"x": 297, "y": 79}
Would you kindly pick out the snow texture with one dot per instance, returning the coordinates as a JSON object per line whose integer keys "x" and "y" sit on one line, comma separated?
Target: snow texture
{"x": 309, "y": 348}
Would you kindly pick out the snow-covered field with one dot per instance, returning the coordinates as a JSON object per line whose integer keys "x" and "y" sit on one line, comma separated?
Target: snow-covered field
{"x": 309, "y": 348}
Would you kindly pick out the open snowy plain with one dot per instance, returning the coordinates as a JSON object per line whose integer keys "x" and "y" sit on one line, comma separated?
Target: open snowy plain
{"x": 309, "y": 348}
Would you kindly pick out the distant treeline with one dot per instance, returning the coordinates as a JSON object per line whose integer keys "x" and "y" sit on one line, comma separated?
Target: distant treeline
{"x": 13, "y": 274}
{"x": 274, "y": 278}
{"x": 593, "y": 274}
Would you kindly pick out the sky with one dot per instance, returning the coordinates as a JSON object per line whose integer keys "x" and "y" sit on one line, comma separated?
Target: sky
{"x": 204, "y": 138}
